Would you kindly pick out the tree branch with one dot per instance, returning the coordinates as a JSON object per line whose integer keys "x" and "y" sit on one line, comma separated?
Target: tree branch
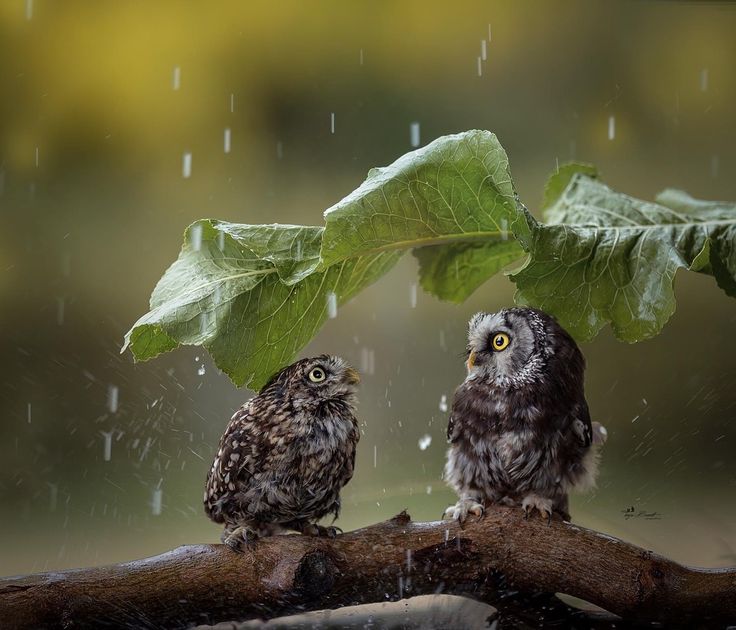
{"x": 493, "y": 560}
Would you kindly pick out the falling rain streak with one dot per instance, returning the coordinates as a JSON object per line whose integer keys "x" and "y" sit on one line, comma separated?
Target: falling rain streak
{"x": 29, "y": 10}
{"x": 107, "y": 446}
{"x": 331, "y": 305}
{"x": 483, "y": 49}
{"x": 704, "y": 80}
{"x": 226, "y": 140}
{"x": 332, "y": 122}
{"x": 29, "y": 413}
{"x": 443, "y": 403}
{"x": 186, "y": 165}
{"x": 480, "y": 67}
{"x": 413, "y": 295}
{"x": 611, "y": 127}
{"x": 176, "y": 78}
{"x": 60, "y": 311}
{"x": 195, "y": 237}
{"x": 156, "y": 502}
{"x": 112, "y": 398}
{"x": 414, "y": 134}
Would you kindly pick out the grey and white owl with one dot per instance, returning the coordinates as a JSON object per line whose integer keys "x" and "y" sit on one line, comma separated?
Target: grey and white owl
{"x": 520, "y": 432}
{"x": 286, "y": 454}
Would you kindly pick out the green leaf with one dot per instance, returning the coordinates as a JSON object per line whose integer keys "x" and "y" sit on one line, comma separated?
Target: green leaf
{"x": 457, "y": 189}
{"x": 721, "y": 255}
{"x": 606, "y": 257}
{"x": 558, "y": 181}
{"x": 251, "y": 295}
{"x": 254, "y": 295}
{"x": 454, "y": 272}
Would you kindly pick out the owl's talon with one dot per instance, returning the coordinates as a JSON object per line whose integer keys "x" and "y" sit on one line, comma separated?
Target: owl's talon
{"x": 240, "y": 539}
{"x": 459, "y": 512}
{"x": 318, "y": 531}
{"x": 534, "y": 502}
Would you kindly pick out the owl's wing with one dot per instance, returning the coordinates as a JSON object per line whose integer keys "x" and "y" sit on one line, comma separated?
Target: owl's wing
{"x": 581, "y": 425}
{"x": 451, "y": 428}
{"x": 237, "y": 459}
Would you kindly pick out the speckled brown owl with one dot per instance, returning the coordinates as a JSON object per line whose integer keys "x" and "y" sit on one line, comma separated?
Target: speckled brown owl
{"x": 520, "y": 431}
{"x": 286, "y": 454}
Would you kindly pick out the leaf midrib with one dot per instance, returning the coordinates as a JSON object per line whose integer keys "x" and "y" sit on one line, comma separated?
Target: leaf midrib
{"x": 435, "y": 240}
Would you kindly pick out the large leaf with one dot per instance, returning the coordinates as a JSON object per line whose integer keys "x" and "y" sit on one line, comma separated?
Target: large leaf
{"x": 252, "y": 295}
{"x": 455, "y": 195}
{"x": 606, "y": 257}
{"x": 722, "y": 255}
{"x": 255, "y": 295}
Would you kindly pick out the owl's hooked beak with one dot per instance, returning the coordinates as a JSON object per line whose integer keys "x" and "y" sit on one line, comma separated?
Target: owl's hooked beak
{"x": 351, "y": 376}
{"x": 471, "y": 361}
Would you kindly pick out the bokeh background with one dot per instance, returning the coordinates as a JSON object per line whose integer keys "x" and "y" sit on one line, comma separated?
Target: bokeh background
{"x": 103, "y": 460}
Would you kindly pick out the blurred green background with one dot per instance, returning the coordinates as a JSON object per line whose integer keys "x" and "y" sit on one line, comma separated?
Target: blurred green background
{"x": 99, "y": 102}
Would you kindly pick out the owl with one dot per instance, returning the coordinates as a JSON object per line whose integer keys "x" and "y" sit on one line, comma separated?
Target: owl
{"x": 520, "y": 432}
{"x": 286, "y": 454}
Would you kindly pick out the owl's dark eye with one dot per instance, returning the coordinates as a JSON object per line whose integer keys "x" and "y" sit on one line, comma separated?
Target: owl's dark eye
{"x": 317, "y": 375}
{"x": 500, "y": 342}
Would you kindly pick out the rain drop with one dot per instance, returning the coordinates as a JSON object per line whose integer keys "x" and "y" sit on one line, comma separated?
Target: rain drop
{"x": 112, "y": 398}
{"x": 201, "y": 371}
{"x": 226, "y": 140}
{"x": 331, "y": 305}
{"x": 414, "y": 132}
{"x": 443, "y": 403}
{"x": 424, "y": 442}
{"x": 156, "y": 502}
{"x": 186, "y": 165}
{"x": 195, "y": 237}
{"x": 107, "y": 445}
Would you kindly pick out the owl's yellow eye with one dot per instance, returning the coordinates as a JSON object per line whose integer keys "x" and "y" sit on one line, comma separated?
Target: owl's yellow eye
{"x": 317, "y": 375}
{"x": 500, "y": 342}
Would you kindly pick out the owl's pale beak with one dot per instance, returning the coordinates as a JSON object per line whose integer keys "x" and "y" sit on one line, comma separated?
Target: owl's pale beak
{"x": 471, "y": 361}
{"x": 351, "y": 376}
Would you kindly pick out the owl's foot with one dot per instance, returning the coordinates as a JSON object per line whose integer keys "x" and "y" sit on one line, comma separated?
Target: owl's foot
{"x": 240, "y": 539}
{"x": 459, "y": 512}
{"x": 311, "y": 529}
{"x": 534, "y": 502}
{"x": 321, "y": 532}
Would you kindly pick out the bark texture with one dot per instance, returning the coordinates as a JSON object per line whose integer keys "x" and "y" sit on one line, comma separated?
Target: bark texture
{"x": 504, "y": 560}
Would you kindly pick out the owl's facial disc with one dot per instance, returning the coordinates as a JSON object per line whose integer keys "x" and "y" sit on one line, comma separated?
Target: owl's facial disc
{"x": 499, "y": 344}
{"x": 330, "y": 377}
